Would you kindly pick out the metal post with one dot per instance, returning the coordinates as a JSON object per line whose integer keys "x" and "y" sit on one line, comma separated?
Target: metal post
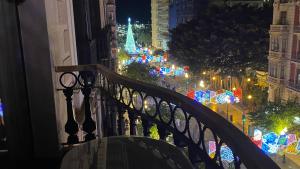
{"x": 227, "y": 109}
{"x": 243, "y": 121}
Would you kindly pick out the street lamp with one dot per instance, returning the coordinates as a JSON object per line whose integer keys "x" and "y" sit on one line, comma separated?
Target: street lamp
{"x": 201, "y": 84}
{"x": 227, "y": 99}
{"x": 229, "y": 77}
{"x": 243, "y": 121}
{"x": 214, "y": 79}
{"x": 249, "y": 97}
{"x": 186, "y": 75}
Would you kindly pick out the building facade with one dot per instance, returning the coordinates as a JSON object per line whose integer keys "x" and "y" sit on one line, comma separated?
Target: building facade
{"x": 160, "y": 23}
{"x": 284, "y": 52}
{"x": 36, "y": 36}
{"x": 182, "y": 11}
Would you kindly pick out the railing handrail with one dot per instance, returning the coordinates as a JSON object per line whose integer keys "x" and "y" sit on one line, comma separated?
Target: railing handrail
{"x": 250, "y": 154}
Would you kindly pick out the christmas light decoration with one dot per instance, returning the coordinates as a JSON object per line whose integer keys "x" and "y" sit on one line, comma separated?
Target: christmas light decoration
{"x": 211, "y": 148}
{"x": 1, "y": 109}
{"x": 269, "y": 143}
{"x": 291, "y": 138}
{"x": 282, "y": 140}
{"x": 226, "y": 154}
{"x": 130, "y": 43}
{"x": 292, "y": 148}
{"x": 225, "y": 151}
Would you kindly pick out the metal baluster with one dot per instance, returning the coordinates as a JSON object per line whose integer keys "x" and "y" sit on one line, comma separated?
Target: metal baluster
{"x": 113, "y": 117}
{"x": 121, "y": 122}
{"x": 71, "y": 126}
{"x": 193, "y": 154}
{"x": 162, "y": 132}
{"x": 103, "y": 112}
{"x": 132, "y": 118}
{"x": 146, "y": 127}
{"x": 89, "y": 126}
{"x": 108, "y": 113}
{"x": 178, "y": 141}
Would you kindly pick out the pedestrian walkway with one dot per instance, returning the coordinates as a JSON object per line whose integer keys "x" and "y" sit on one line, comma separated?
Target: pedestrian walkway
{"x": 290, "y": 161}
{"x": 126, "y": 153}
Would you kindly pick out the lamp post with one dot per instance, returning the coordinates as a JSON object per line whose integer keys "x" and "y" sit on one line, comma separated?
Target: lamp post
{"x": 243, "y": 121}
{"x": 186, "y": 75}
{"x": 227, "y": 102}
{"x": 249, "y": 97}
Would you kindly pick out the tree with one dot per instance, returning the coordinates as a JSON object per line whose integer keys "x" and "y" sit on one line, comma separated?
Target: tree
{"x": 225, "y": 39}
{"x": 122, "y": 55}
{"x": 276, "y": 116}
{"x": 141, "y": 72}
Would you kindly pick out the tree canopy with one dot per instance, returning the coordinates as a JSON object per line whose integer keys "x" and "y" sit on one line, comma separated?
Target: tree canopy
{"x": 225, "y": 39}
{"x": 140, "y": 72}
{"x": 276, "y": 116}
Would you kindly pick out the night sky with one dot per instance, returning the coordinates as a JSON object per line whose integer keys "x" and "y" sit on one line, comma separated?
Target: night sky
{"x": 136, "y": 9}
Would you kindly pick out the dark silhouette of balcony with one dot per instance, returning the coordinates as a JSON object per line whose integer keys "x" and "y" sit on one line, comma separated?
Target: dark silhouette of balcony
{"x": 191, "y": 125}
{"x": 283, "y": 1}
{"x": 294, "y": 85}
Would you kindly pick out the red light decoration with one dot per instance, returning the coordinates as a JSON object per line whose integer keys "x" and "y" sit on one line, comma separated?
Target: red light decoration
{"x": 238, "y": 93}
{"x": 191, "y": 94}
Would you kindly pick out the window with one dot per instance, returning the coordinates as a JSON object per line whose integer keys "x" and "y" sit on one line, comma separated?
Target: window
{"x": 282, "y": 71}
{"x": 298, "y": 77}
{"x": 284, "y": 45}
{"x": 283, "y": 18}
{"x": 273, "y": 70}
{"x": 274, "y": 44}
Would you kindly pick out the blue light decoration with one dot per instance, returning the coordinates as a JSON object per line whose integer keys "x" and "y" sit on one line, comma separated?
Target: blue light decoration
{"x": 225, "y": 151}
{"x": 202, "y": 96}
{"x": 269, "y": 145}
{"x": 226, "y": 154}
{"x": 199, "y": 96}
{"x": 221, "y": 98}
{"x": 282, "y": 140}
{"x": 1, "y": 109}
{"x": 298, "y": 146}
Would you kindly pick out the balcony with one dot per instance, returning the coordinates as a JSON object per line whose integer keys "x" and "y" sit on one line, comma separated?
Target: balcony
{"x": 278, "y": 55}
{"x": 279, "y": 28}
{"x": 283, "y": 1}
{"x": 294, "y": 86}
{"x": 115, "y": 106}
{"x": 275, "y": 80}
{"x": 296, "y": 58}
{"x": 296, "y": 29}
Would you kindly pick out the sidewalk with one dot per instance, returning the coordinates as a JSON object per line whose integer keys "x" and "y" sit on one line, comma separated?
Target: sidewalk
{"x": 291, "y": 161}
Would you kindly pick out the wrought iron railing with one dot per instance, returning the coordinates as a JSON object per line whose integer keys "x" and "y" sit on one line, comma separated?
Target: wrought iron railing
{"x": 193, "y": 126}
{"x": 294, "y": 86}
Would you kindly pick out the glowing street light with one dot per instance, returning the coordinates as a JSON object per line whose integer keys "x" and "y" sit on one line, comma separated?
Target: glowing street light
{"x": 284, "y": 131}
{"x": 186, "y": 75}
{"x": 201, "y": 84}
{"x": 227, "y": 99}
{"x": 204, "y": 73}
{"x": 248, "y": 80}
{"x": 249, "y": 97}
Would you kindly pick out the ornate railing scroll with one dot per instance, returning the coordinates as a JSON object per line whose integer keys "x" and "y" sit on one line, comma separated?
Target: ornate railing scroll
{"x": 208, "y": 138}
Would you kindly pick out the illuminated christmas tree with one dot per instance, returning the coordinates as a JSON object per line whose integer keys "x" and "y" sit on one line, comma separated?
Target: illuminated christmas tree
{"x": 130, "y": 44}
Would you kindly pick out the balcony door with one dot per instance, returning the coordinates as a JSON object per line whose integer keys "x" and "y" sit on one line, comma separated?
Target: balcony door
{"x": 87, "y": 30}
